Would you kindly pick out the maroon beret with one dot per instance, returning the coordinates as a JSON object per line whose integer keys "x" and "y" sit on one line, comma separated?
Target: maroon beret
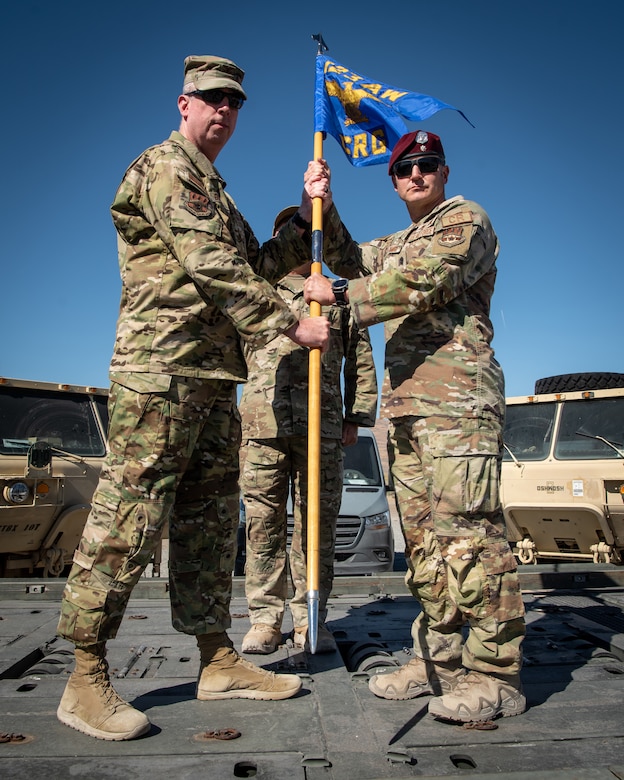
{"x": 418, "y": 142}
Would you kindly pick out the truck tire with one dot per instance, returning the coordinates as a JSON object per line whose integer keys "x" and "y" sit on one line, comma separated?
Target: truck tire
{"x": 563, "y": 383}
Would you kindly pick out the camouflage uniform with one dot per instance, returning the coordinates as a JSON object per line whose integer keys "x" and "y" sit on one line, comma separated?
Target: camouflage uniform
{"x": 443, "y": 391}
{"x": 191, "y": 294}
{"x": 274, "y": 413}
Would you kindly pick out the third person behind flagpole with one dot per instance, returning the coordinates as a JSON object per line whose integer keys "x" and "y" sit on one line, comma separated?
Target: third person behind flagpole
{"x": 274, "y": 416}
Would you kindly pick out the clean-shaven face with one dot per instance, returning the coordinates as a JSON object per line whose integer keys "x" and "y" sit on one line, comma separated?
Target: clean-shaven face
{"x": 209, "y": 125}
{"x": 421, "y": 190}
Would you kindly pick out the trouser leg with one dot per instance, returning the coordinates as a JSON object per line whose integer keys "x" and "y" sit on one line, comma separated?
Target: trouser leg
{"x": 203, "y": 525}
{"x": 462, "y": 565}
{"x": 265, "y": 484}
{"x": 152, "y": 437}
{"x": 124, "y": 524}
{"x": 437, "y": 629}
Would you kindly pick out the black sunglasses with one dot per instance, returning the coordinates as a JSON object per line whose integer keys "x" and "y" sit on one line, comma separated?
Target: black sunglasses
{"x": 403, "y": 168}
{"x": 215, "y": 97}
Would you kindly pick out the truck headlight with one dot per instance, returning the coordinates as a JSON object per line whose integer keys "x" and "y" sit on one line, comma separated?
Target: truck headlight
{"x": 382, "y": 520}
{"x": 17, "y": 493}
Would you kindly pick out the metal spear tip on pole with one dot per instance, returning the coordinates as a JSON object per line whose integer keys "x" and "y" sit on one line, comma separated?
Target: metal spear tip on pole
{"x": 313, "y": 613}
{"x": 322, "y": 46}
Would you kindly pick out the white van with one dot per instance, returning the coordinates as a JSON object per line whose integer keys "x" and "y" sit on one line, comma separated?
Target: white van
{"x": 364, "y": 540}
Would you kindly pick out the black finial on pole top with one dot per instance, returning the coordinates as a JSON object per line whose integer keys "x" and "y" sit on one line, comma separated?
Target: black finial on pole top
{"x": 322, "y": 46}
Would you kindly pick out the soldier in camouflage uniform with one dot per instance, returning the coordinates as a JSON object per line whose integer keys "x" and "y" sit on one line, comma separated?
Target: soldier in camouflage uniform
{"x": 431, "y": 284}
{"x": 274, "y": 414}
{"x": 192, "y": 294}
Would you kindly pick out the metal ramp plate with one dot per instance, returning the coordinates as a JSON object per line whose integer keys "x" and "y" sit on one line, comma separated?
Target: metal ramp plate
{"x": 334, "y": 728}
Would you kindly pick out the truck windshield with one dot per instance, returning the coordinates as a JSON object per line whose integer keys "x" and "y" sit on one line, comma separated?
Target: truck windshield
{"x": 528, "y": 430}
{"x": 584, "y": 426}
{"x": 66, "y": 422}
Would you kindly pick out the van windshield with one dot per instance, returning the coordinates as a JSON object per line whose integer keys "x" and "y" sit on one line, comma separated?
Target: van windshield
{"x": 361, "y": 466}
{"x": 66, "y": 422}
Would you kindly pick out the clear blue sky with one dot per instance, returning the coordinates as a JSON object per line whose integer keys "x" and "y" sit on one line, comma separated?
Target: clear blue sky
{"x": 88, "y": 86}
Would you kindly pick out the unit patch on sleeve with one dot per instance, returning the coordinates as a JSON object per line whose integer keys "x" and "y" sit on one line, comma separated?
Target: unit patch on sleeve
{"x": 451, "y": 236}
{"x": 454, "y": 230}
{"x": 197, "y": 203}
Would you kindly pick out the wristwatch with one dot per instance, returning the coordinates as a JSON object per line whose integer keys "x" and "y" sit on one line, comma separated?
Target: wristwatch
{"x": 339, "y": 288}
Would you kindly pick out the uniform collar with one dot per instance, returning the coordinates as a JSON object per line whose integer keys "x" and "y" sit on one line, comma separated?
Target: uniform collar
{"x": 198, "y": 158}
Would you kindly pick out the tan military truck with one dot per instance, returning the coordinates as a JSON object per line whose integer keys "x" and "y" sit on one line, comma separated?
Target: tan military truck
{"x": 52, "y": 444}
{"x": 563, "y": 470}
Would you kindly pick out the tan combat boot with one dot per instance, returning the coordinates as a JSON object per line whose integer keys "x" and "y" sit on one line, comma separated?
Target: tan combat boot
{"x": 479, "y": 697}
{"x": 262, "y": 639}
{"x": 90, "y": 703}
{"x": 223, "y": 674}
{"x": 325, "y": 642}
{"x": 416, "y": 678}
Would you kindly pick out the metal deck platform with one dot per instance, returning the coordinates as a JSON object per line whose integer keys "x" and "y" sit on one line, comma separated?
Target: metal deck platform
{"x": 334, "y": 728}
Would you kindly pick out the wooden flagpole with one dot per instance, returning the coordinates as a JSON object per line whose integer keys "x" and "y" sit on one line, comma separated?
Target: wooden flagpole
{"x": 314, "y": 415}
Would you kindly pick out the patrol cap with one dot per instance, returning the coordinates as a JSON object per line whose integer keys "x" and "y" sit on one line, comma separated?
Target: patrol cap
{"x": 418, "y": 142}
{"x": 283, "y": 217}
{"x": 203, "y": 72}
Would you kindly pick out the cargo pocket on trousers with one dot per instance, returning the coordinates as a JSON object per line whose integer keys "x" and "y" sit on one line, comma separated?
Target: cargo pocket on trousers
{"x": 497, "y": 557}
{"x": 503, "y": 587}
{"x": 83, "y": 611}
{"x": 465, "y": 471}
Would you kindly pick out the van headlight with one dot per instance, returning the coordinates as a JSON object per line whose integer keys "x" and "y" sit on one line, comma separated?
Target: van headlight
{"x": 382, "y": 520}
{"x": 17, "y": 493}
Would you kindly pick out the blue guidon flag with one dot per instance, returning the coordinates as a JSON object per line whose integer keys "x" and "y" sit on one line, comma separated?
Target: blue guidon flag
{"x": 366, "y": 116}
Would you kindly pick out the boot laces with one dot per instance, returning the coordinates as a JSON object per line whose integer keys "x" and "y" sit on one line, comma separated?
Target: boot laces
{"x": 253, "y": 668}
{"x": 108, "y": 694}
{"x": 469, "y": 680}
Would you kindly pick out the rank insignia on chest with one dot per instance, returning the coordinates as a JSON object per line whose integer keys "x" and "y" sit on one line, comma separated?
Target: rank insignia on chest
{"x": 451, "y": 236}
{"x": 198, "y": 204}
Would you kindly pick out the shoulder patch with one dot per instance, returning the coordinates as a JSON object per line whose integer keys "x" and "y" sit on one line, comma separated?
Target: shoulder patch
{"x": 458, "y": 218}
{"x": 451, "y": 236}
{"x": 198, "y": 204}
